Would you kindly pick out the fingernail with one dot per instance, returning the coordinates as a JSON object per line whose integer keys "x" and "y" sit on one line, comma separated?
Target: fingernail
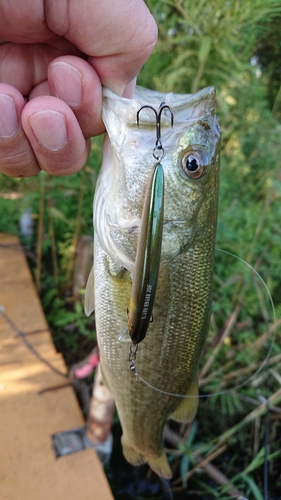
{"x": 8, "y": 116}
{"x": 49, "y": 128}
{"x": 68, "y": 83}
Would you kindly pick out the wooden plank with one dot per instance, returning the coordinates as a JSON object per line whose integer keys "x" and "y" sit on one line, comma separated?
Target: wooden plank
{"x": 29, "y": 416}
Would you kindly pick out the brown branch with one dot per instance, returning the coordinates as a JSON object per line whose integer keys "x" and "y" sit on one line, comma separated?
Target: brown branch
{"x": 101, "y": 411}
{"x": 204, "y": 463}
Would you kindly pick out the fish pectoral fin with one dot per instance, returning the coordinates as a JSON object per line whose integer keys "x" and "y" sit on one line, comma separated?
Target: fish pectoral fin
{"x": 187, "y": 408}
{"x": 158, "y": 464}
{"x": 89, "y": 302}
{"x": 125, "y": 336}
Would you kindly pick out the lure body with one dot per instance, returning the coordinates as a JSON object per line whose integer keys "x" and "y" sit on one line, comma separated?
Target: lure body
{"x": 147, "y": 258}
{"x": 168, "y": 356}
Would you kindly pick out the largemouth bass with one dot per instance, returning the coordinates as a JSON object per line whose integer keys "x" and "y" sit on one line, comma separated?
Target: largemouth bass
{"x": 167, "y": 358}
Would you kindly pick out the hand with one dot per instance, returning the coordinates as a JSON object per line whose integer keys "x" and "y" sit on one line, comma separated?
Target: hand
{"x": 55, "y": 55}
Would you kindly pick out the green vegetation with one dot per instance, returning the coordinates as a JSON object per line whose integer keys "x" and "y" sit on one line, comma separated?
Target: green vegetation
{"x": 235, "y": 46}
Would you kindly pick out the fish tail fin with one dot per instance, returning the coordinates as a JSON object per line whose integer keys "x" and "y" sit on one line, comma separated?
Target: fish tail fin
{"x": 161, "y": 466}
{"x": 158, "y": 464}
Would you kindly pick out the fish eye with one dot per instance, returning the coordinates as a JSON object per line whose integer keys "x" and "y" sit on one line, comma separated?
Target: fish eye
{"x": 194, "y": 164}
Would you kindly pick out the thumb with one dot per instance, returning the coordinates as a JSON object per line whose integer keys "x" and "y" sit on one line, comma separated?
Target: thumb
{"x": 118, "y": 37}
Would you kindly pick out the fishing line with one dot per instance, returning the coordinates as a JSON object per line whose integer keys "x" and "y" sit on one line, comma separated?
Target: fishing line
{"x": 226, "y": 391}
{"x": 29, "y": 346}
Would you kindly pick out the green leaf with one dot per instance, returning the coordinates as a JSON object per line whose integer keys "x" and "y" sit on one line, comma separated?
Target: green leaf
{"x": 57, "y": 214}
{"x": 253, "y": 487}
{"x": 204, "y": 49}
{"x": 184, "y": 468}
{"x": 258, "y": 460}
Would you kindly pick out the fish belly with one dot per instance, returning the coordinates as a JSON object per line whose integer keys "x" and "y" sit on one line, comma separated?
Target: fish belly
{"x": 168, "y": 357}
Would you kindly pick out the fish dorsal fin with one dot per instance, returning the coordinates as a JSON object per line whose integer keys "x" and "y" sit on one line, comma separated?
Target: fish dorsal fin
{"x": 89, "y": 302}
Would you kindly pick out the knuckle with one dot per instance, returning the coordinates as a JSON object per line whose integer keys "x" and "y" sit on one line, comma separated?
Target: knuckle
{"x": 59, "y": 165}
{"x": 145, "y": 37}
{"x": 18, "y": 165}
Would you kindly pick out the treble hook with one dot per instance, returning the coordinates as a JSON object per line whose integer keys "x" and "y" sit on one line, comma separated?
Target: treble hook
{"x": 158, "y": 144}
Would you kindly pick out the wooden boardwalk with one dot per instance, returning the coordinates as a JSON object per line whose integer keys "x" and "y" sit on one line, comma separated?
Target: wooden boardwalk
{"x": 29, "y": 413}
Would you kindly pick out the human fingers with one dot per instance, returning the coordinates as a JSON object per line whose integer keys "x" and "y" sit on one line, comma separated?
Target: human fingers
{"x": 25, "y": 65}
{"x": 70, "y": 78}
{"x": 118, "y": 37}
{"x": 43, "y": 134}
{"x": 54, "y": 135}
{"x": 16, "y": 155}
{"x": 75, "y": 82}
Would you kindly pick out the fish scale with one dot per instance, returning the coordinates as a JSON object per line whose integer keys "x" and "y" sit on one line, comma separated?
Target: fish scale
{"x": 168, "y": 357}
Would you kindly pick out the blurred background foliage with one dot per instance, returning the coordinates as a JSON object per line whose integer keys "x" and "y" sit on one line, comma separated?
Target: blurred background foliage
{"x": 234, "y": 45}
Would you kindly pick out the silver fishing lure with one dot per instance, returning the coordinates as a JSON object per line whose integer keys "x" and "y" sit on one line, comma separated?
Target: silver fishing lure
{"x": 149, "y": 245}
